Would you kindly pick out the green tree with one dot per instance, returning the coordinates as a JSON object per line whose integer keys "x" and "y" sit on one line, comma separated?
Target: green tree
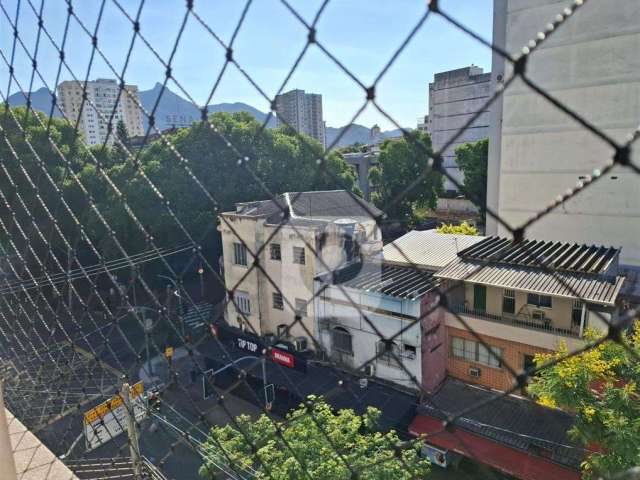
{"x": 121, "y": 143}
{"x": 401, "y": 162}
{"x": 472, "y": 160}
{"x": 463, "y": 229}
{"x": 601, "y": 387}
{"x": 303, "y": 449}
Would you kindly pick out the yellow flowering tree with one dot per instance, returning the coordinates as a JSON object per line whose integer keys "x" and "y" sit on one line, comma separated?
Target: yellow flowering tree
{"x": 601, "y": 387}
{"x": 463, "y": 229}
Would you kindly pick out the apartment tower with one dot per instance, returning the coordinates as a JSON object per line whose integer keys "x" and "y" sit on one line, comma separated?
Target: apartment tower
{"x": 102, "y": 95}
{"x": 303, "y": 112}
{"x": 454, "y": 98}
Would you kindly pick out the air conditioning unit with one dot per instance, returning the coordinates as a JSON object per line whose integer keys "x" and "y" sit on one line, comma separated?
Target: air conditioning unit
{"x": 475, "y": 372}
{"x": 301, "y": 344}
{"x": 370, "y": 370}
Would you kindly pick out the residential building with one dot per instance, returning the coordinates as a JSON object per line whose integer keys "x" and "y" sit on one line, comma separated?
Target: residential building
{"x": 360, "y": 306}
{"x": 537, "y": 152}
{"x": 423, "y": 124}
{"x": 295, "y": 236}
{"x": 454, "y": 98}
{"x": 508, "y": 301}
{"x": 102, "y": 102}
{"x": 303, "y": 112}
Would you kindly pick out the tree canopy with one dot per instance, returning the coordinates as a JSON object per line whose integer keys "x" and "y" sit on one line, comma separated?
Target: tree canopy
{"x": 601, "y": 387}
{"x": 463, "y": 229}
{"x": 314, "y": 442}
{"x": 403, "y": 162}
{"x": 472, "y": 160}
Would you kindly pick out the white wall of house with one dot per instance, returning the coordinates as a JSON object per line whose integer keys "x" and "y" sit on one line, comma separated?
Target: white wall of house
{"x": 333, "y": 310}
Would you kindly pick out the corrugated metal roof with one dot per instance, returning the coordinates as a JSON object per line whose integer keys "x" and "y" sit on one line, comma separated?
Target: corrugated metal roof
{"x": 428, "y": 248}
{"x": 561, "y": 256}
{"x": 589, "y": 288}
{"x": 395, "y": 281}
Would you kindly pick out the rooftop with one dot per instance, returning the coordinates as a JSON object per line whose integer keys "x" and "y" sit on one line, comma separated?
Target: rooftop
{"x": 560, "y": 256}
{"x": 304, "y": 207}
{"x": 428, "y": 249}
{"x": 511, "y": 420}
{"x": 396, "y": 281}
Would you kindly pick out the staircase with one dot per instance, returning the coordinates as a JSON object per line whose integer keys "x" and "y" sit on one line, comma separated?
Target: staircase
{"x": 112, "y": 469}
{"x": 198, "y": 315}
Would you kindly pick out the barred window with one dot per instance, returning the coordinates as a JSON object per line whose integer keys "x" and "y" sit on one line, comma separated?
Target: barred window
{"x": 341, "y": 340}
{"x": 276, "y": 254}
{"x": 239, "y": 254}
{"x": 278, "y": 303}
{"x": 299, "y": 256}
{"x": 243, "y": 302}
{"x": 509, "y": 301}
{"x": 539, "y": 300}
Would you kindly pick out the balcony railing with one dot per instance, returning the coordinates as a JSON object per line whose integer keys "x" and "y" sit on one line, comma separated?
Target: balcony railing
{"x": 545, "y": 325}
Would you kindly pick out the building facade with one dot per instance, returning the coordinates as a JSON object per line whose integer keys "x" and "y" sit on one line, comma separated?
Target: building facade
{"x": 102, "y": 100}
{"x": 454, "y": 98}
{"x": 303, "y": 112}
{"x": 536, "y": 152}
{"x": 517, "y": 307}
{"x": 321, "y": 231}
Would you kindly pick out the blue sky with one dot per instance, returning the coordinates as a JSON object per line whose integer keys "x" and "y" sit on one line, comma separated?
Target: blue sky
{"x": 361, "y": 34}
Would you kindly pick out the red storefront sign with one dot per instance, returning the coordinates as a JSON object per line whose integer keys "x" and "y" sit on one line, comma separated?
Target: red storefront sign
{"x": 282, "y": 357}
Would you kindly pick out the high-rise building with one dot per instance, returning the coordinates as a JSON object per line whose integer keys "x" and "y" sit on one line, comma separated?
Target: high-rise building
{"x": 537, "y": 152}
{"x": 303, "y": 112}
{"x": 454, "y": 97}
{"x": 102, "y": 95}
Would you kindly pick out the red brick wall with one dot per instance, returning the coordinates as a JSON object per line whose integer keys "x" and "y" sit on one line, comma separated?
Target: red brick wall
{"x": 491, "y": 377}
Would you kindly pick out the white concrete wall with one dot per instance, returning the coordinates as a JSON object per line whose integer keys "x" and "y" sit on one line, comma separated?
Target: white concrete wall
{"x": 591, "y": 64}
{"x": 364, "y": 335}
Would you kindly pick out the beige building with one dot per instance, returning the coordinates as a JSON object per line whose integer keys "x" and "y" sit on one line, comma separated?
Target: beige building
{"x": 102, "y": 95}
{"x": 303, "y": 112}
{"x": 536, "y": 152}
{"x": 286, "y": 233}
{"x": 523, "y": 299}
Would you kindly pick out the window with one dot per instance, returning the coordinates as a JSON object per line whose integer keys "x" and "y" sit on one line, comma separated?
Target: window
{"x": 283, "y": 330}
{"x": 409, "y": 351}
{"x": 243, "y": 303}
{"x": 576, "y": 313}
{"x": 301, "y": 307}
{"x": 539, "y": 300}
{"x": 299, "y": 256}
{"x": 239, "y": 254}
{"x": 276, "y": 254}
{"x": 341, "y": 340}
{"x": 509, "y": 301}
{"x": 473, "y": 351}
{"x": 278, "y": 304}
{"x": 388, "y": 353}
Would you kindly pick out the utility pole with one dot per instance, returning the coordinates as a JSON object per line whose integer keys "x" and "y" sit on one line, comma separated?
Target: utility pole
{"x": 130, "y": 418}
{"x": 69, "y": 251}
{"x": 7, "y": 465}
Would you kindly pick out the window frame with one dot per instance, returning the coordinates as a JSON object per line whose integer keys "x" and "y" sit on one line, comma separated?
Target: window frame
{"x": 241, "y": 300}
{"x": 539, "y": 303}
{"x": 509, "y": 295}
{"x": 341, "y": 331}
{"x": 277, "y": 301}
{"x": 299, "y": 255}
{"x": 472, "y": 351}
{"x": 239, "y": 254}
{"x": 273, "y": 248}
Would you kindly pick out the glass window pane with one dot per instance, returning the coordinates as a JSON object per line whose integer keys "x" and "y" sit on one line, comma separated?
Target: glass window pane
{"x": 457, "y": 344}
{"x": 483, "y": 354}
{"x": 470, "y": 350}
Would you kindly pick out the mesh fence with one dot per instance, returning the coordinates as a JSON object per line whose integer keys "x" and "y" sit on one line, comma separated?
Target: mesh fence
{"x": 108, "y": 273}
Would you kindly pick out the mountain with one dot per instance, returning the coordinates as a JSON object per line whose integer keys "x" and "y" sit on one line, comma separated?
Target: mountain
{"x": 41, "y": 100}
{"x": 175, "y": 111}
{"x": 355, "y": 134}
